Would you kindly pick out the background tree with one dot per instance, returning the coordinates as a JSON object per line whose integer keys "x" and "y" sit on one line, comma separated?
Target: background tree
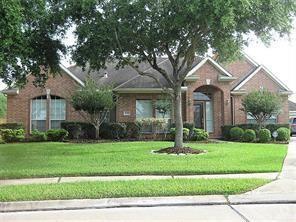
{"x": 163, "y": 105}
{"x": 132, "y": 31}
{"x": 94, "y": 103}
{"x": 3, "y": 105}
{"x": 30, "y": 34}
{"x": 261, "y": 105}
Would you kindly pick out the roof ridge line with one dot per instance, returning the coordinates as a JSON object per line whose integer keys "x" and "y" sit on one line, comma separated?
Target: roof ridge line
{"x": 138, "y": 75}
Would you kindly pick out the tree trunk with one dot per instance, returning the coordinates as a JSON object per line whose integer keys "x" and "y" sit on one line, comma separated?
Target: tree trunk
{"x": 178, "y": 118}
{"x": 97, "y": 132}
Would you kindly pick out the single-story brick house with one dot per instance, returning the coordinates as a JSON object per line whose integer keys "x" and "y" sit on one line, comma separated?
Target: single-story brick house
{"x": 212, "y": 94}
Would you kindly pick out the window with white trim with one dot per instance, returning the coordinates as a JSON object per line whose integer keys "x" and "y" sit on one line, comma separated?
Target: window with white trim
{"x": 40, "y": 117}
{"x": 38, "y": 113}
{"x": 271, "y": 120}
{"x": 57, "y": 112}
{"x": 144, "y": 109}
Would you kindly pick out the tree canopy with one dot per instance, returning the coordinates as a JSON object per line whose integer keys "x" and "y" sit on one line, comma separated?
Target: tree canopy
{"x": 261, "y": 105}
{"x": 94, "y": 103}
{"x": 30, "y": 33}
{"x": 132, "y": 31}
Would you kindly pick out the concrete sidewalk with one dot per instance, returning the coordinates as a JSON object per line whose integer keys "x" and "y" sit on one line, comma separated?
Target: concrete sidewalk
{"x": 270, "y": 176}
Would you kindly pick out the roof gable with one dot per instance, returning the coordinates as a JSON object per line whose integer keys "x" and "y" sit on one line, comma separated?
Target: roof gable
{"x": 213, "y": 62}
{"x": 269, "y": 74}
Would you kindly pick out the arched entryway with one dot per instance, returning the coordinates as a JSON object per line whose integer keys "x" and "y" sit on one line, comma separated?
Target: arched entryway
{"x": 208, "y": 108}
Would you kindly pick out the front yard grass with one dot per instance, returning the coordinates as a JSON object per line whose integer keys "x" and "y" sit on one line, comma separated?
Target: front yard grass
{"x": 25, "y": 160}
{"x": 137, "y": 188}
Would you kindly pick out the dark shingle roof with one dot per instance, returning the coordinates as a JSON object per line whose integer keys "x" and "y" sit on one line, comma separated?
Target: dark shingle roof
{"x": 127, "y": 77}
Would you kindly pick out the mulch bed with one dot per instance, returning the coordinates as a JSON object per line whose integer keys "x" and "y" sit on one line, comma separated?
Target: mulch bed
{"x": 176, "y": 150}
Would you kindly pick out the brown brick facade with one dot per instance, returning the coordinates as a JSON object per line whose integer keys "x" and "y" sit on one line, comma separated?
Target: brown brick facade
{"x": 226, "y": 107}
{"x": 19, "y": 106}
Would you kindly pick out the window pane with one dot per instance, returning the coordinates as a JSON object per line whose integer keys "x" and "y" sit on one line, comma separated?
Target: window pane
{"x": 271, "y": 120}
{"x": 38, "y": 114}
{"x": 209, "y": 117}
{"x": 144, "y": 109}
{"x": 57, "y": 112}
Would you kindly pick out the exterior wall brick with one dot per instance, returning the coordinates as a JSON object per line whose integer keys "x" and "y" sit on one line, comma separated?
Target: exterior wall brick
{"x": 221, "y": 96}
{"x": 127, "y": 103}
{"x": 261, "y": 79}
{"x": 18, "y": 106}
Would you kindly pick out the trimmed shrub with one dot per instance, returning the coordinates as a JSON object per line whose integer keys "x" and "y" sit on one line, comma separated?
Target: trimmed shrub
{"x": 37, "y": 136}
{"x": 226, "y": 131}
{"x": 283, "y": 134}
{"x": 199, "y": 134}
{"x": 57, "y": 135}
{"x": 12, "y": 135}
{"x": 133, "y": 130}
{"x": 274, "y": 127}
{"x": 12, "y": 126}
{"x": 236, "y": 133}
{"x": 249, "y": 135}
{"x": 79, "y": 130}
{"x": 264, "y": 135}
{"x": 186, "y": 133}
{"x": 118, "y": 130}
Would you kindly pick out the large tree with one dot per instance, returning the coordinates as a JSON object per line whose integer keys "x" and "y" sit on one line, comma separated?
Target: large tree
{"x": 30, "y": 34}
{"x": 261, "y": 105}
{"x": 132, "y": 31}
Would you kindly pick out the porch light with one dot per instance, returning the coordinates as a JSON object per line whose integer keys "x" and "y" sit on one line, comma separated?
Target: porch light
{"x": 47, "y": 93}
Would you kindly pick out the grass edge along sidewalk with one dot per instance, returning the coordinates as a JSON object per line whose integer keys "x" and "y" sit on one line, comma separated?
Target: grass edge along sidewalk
{"x": 135, "y": 188}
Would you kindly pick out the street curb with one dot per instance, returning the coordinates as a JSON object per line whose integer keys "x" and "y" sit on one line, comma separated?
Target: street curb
{"x": 80, "y": 204}
{"x": 110, "y": 203}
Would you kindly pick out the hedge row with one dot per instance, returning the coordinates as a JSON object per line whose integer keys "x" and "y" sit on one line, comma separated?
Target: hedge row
{"x": 263, "y": 135}
{"x": 271, "y": 127}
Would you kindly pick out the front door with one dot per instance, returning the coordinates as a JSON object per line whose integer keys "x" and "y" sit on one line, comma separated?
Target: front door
{"x": 198, "y": 115}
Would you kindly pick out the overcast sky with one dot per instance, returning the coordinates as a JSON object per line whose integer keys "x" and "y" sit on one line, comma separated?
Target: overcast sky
{"x": 279, "y": 57}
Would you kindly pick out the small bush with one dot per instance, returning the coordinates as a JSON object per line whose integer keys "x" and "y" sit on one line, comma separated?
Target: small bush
{"x": 186, "y": 133}
{"x": 12, "y": 126}
{"x": 12, "y": 135}
{"x": 236, "y": 133}
{"x": 133, "y": 130}
{"x": 199, "y": 134}
{"x": 118, "y": 130}
{"x": 264, "y": 135}
{"x": 79, "y": 130}
{"x": 283, "y": 134}
{"x": 274, "y": 127}
{"x": 249, "y": 135}
{"x": 226, "y": 131}
{"x": 37, "y": 136}
{"x": 57, "y": 135}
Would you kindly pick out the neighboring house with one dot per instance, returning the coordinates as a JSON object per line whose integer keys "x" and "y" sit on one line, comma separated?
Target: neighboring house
{"x": 212, "y": 94}
{"x": 292, "y": 109}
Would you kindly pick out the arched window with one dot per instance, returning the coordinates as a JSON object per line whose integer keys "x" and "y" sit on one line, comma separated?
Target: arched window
{"x": 57, "y": 111}
{"x": 41, "y": 120}
{"x": 38, "y": 113}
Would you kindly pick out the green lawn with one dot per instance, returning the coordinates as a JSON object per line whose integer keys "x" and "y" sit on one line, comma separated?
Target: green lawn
{"x": 26, "y": 160}
{"x": 137, "y": 188}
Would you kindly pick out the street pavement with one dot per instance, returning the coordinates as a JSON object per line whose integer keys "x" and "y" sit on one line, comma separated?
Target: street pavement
{"x": 252, "y": 212}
